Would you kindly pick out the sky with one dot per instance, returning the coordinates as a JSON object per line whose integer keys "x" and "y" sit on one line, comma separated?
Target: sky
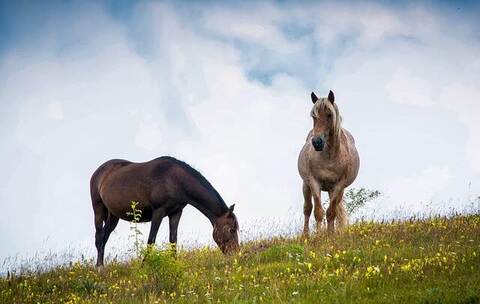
{"x": 225, "y": 86}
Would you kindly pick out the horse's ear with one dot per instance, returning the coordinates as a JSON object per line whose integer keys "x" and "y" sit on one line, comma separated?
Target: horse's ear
{"x": 314, "y": 97}
{"x": 331, "y": 97}
{"x": 230, "y": 210}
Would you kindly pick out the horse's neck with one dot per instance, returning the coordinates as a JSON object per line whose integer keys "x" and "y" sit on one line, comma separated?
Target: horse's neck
{"x": 207, "y": 201}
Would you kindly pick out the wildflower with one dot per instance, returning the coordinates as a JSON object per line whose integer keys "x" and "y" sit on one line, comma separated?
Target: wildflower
{"x": 372, "y": 271}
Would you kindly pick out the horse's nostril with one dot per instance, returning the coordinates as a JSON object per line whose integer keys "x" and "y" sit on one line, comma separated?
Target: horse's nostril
{"x": 317, "y": 141}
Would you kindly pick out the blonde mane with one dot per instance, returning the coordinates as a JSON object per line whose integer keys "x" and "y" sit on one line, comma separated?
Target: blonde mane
{"x": 322, "y": 105}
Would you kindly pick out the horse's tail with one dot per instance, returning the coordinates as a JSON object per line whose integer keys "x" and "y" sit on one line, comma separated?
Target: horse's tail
{"x": 342, "y": 216}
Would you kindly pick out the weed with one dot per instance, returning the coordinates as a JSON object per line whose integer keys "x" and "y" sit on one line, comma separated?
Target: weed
{"x": 136, "y": 215}
{"x": 162, "y": 270}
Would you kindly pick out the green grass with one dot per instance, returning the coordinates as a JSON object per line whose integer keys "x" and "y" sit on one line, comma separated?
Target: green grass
{"x": 434, "y": 260}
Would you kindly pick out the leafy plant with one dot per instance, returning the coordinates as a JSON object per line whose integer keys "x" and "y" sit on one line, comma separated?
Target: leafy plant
{"x": 136, "y": 215}
{"x": 162, "y": 270}
{"x": 354, "y": 199}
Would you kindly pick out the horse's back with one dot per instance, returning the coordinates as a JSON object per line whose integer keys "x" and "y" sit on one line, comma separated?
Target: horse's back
{"x": 157, "y": 166}
{"x": 117, "y": 182}
{"x": 353, "y": 158}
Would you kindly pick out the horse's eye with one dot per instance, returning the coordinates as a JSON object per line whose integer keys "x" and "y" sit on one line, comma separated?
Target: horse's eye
{"x": 329, "y": 115}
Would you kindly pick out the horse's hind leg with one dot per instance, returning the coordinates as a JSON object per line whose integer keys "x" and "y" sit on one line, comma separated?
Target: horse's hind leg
{"x": 100, "y": 212}
{"x": 110, "y": 225}
{"x": 307, "y": 207}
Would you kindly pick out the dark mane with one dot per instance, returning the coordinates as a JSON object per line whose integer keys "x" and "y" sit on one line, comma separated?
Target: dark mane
{"x": 195, "y": 173}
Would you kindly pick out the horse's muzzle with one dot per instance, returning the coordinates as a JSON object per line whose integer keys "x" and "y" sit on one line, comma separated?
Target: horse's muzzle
{"x": 318, "y": 143}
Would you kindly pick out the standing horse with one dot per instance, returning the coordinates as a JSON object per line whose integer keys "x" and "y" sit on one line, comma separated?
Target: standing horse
{"x": 328, "y": 162}
{"x": 162, "y": 187}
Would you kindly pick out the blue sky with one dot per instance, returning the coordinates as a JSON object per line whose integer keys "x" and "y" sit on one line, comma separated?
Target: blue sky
{"x": 226, "y": 88}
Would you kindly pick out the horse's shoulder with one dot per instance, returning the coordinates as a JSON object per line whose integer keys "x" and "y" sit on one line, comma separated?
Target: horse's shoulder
{"x": 348, "y": 136}
{"x": 166, "y": 165}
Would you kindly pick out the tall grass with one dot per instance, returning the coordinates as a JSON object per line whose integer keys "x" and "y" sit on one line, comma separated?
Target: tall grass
{"x": 423, "y": 260}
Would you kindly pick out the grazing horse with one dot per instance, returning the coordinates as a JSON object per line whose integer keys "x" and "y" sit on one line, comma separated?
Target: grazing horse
{"x": 328, "y": 162}
{"x": 162, "y": 187}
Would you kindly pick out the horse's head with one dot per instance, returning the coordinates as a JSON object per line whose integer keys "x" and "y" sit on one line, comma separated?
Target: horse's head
{"x": 225, "y": 232}
{"x": 326, "y": 120}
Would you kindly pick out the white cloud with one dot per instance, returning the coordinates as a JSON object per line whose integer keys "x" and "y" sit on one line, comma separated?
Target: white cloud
{"x": 415, "y": 191}
{"x": 258, "y": 24}
{"x": 55, "y": 110}
{"x": 464, "y": 100}
{"x": 195, "y": 98}
{"x": 407, "y": 88}
{"x": 149, "y": 136}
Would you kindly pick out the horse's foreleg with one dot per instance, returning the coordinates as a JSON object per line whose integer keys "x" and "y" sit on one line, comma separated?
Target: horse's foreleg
{"x": 336, "y": 197}
{"x": 342, "y": 216}
{"x": 307, "y": 208}
{"x": 319, "y": 213}
{"x": 174, "y": 220}
{"x": 157, "y": 217}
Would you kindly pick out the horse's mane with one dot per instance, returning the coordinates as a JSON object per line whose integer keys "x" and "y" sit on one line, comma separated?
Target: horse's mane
{"x": 324, "y": 104}
{"x": 195, "y": 173}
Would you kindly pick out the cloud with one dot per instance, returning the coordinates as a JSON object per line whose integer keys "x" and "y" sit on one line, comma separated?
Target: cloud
{"x": 406, "y": 88}
{"x": 55, "y": 110}
{"x": 227, "y": 90}
{"x": 415, "y": 191}
{"x": 464, "y": 100}
{"x": 148, "y": 136}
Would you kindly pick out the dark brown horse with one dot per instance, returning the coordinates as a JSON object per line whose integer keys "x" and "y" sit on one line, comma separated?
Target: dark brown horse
{"x": 162, "y": 187}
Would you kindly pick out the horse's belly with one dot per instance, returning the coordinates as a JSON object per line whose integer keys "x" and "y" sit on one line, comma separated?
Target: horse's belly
{"x": 125, "y": 210}
{"x": 327, "y": 185}
{"x": 122, "y": 201}
{"x": 326, "y": 179}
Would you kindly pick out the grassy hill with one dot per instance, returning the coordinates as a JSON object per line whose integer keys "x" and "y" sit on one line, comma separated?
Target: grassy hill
{"x": 433, "y": 260}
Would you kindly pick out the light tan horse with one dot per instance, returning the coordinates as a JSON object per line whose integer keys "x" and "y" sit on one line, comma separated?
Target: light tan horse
{"x": 328, "y": 162}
